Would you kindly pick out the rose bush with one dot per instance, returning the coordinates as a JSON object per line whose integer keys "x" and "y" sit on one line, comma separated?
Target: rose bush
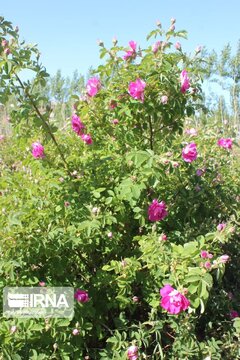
{"x": 87, "y": 211}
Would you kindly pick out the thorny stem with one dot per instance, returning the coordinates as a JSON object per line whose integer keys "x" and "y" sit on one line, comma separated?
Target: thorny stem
{"x": 45, "y": 124}
{"x": 151, "y": 132}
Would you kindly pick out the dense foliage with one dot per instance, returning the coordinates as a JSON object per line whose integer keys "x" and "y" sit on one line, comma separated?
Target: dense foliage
{"x": 128, "y": 199}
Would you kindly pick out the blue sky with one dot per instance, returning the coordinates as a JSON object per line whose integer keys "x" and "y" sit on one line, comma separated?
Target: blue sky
{"x": 67, "y": 31}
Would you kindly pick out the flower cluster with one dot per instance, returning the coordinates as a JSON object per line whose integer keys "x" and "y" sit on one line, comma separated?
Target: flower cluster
{"x": 77, "y": 125}
{"x": 5, "y": 45}
{"x": 206, "y": 255}
{"x": 78, "y": 128}
{"x": 131, "y": 53}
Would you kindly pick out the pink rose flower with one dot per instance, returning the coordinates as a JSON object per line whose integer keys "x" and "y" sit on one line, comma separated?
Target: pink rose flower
{"x": 87, "y": 139}
{"x": 115, "y": 121}
{"x": 208, "y": 265}
{"x": 164, "y": 237}
{"x": 199, "y": 172}
{"x": 164, "y": 99}
{"x": 4, "y": 43}
{"x": 95, "y": 210}
{"x": 223, "y": 259}
{"x": 93, "y": 86}
{"x": 42, "y": 283}
{"x": 2, "y": 137}
{"x": 163, "y": 44}
{"x": 132, "y": 352}
{"x": 110, "y": 235}
{"x": 13, "y": 329}
{"x": 204, "y": 254}
{"x": 136, "y": 89}
{"x": 112, "y": 104}
{"x": 135, "y": 299}
{"x": 189, "y": 152}
{"x": 7, "y": 51}
{"x": 225, "y": 143}
{"x": 221, "y": 227}
{"x": 81, "y": 296}
{"x": 77, "y": 125}
{"x": 233, "y": 314}
{"x": 75, "y": 332}
{"x": 123, "y": 263}
{"x": 191, "y": 132}
{"x": 157, "y": 211}
{"x": 172, "y": 300}
{"x": 38, "y": 150}
{"x": 132, "y": 52}
{"x": 178, "y": 46}
{"x": 185, "y": 84}
{"x": 156, "y": 46}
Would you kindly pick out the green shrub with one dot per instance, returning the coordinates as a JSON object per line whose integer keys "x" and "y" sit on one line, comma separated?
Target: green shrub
{"x": 78, "y": 216}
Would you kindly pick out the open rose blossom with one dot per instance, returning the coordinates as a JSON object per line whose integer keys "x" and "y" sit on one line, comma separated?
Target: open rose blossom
{"x": 157, "y": 211}
{"x": 38, "y": 150}
{"x": 136, "y": 89}
{"x": 87, "y": 139}
{"x": 132, "y": 52}
{"x": 77, "y": 125}
{"x": 132, "y": 352}
{"x": 185, "y": 84}
{"x": 81, "y": 296}
{"x": 189, "y": 153}
{"x": 172, "y": 300}
{"x": 225, "y": 143}
{"x": 93, "y": 86}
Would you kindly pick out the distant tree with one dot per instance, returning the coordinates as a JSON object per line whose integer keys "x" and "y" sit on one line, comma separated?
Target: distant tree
{"x": 76, "y": 84}
{"x": 58, "y": 87}
{"x": 225, "y": 70}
